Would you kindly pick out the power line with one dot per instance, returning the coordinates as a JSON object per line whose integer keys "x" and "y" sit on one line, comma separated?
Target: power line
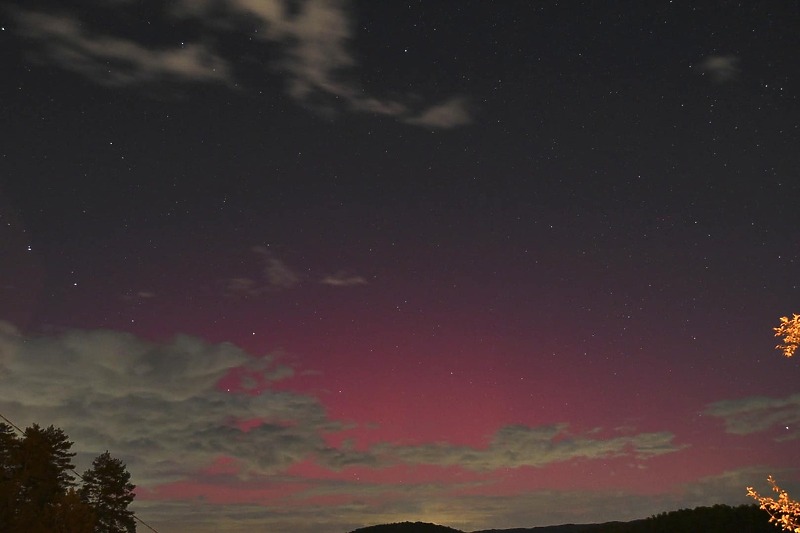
{"x": 145, "y": 524}
{"x": 12, "y": 424}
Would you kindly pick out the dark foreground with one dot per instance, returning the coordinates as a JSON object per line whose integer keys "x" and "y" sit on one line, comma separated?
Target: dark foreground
{"x": 716, "y": 519}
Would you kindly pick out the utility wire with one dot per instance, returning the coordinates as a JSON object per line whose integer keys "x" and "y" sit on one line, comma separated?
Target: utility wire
{"x": 145, "y": 524}
{"x": 12, "y": 424}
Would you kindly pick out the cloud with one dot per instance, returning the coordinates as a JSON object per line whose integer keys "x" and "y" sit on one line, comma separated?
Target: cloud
{"x": 368, "y": 504}
{"x": 343, "y": 279}
{"x": 317, "y": 35}
{"x": 449, "y": 114}
{"x": 727, "y": 486}
{"x": 517, "y": 446}
{"x": 275, "y": 275}
{"x": 757, "y": 414}
{"x": 110, "y": 60}
{"x": 243, "y": 287}
{"x": 157, "y": 405}
{"x": 138, "y": 296}
{"x": 314, "y": 52}
{"x": 720, "y": 69}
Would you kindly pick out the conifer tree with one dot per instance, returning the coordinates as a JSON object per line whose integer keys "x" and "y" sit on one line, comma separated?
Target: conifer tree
{"x": 46, "y": 465}
{"x": 70, "y": 514}
{"x": 36, "y": 481}
{"x": 108, "y": 491}
{"x": 9, "y": 474}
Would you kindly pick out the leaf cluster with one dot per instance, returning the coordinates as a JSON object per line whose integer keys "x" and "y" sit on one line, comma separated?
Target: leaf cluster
{"x": 783, "y": 511}
{"x": 789, "y": 329}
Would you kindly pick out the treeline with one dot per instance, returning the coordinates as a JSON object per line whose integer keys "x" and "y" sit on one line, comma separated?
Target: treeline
{"x": 715, "y": 519}
{"x": 407, "y": 527}
{"x": 39, "y": 492}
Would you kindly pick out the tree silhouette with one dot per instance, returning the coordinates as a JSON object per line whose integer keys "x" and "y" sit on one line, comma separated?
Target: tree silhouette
{"x": 70, "y": 514}
{"x": 107, "y": 489}
{"x": 36, "y": 484}
{"x": 8, "y": 475}
{"x": 38, "y": 492}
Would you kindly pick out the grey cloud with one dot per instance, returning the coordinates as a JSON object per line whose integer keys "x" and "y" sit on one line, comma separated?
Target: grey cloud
{"x": 276, "y": 275}
{"x": 157, "y": 404}
{"x": 450, "y": 504}
{"x": 110, "y": 60}
{"x": 320, "y": 62}
{"x": 367, "y": 504}
{"x": 517, "y": 446}
{"x": 536, "y": 508}
{"x": 756, "y": 414}
{"x": 728, "y": 486}
{"x": 720, "y": 69}
{"x": 343, "y": 279}
{"x": 138, "y": 296}
{"x": 243, "y": 287}
{"x": 449, "y": 114}
{"x": 315, "y": 39}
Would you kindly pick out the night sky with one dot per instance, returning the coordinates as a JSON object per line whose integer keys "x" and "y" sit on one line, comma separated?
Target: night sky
{"x": 314, "y": 265}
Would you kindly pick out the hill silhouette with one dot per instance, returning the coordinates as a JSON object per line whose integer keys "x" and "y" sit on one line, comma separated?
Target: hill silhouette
{"x": 407, "y": 527}
{"x": 567, "y": 528}
{"x": 715, "y": 519}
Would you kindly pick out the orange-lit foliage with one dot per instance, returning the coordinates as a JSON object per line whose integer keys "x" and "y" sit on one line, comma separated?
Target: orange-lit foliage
{"x": 790, "y": 331}
{"x": 783, "y": 512}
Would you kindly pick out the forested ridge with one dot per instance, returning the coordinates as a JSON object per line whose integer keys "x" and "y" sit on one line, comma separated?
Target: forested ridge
{"x": 714, "y": 519}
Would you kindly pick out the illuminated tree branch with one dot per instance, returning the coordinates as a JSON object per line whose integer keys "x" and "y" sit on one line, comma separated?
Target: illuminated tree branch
{"x": 783, "y": 512}
{"x": 790, "y": 331}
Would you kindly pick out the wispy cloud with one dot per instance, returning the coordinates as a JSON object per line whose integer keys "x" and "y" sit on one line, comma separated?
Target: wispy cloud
{"x": 369, "y": 504}
{"x": 111, "y": 60}
{"x": 138, "y": 296}
{"x": 517, "y": 446}
{"x": 158, "y": 405}
{"x": 756, "y": 414}
{"x": 243, "y": 287}
{"x": 343, "y": 279}
{"x": 450, "y": 114}
{"x": 319, "y": 60}
{"x": 275, "y": 275}
{"x": 720, "y": 69}
{"x": 315, "y": 53}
